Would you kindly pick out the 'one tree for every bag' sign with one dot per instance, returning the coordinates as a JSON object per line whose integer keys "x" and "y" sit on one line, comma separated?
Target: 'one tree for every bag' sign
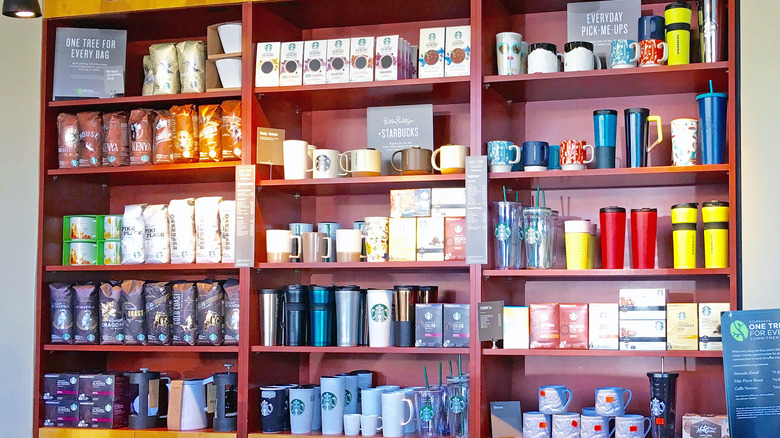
{"x": 89, "y": 63}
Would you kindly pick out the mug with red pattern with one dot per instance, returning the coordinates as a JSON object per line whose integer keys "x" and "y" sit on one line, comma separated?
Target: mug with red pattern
{"x": 652, "y": 52}
{"x": 574, "y": 155}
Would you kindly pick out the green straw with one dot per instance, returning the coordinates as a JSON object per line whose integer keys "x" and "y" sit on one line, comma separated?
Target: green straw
{"x": 537, "y": 196}
{"x": 460, "y": 373}
{"x": 425, "y": 372}
{"x": 504, "y": 193}
{"x": 439, "y": 373}
{"x": 450, "y": 367}
{"x": 517, "y": 196}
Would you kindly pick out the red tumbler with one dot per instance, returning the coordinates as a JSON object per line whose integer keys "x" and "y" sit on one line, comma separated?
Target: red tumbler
{"x": 613, "y": 237}
{"x": 644, "y": 224}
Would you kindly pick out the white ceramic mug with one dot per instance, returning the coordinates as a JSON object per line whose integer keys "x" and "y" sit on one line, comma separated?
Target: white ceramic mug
{"x": 393, "y": 413}
{"x": 611, "y": 401}
{"x": 631, "y": 426}
{"x": 543, "y": 58}
{"x": 551, "y": 399}
{"x": 579, "y": 56}
{"x": 296, "y": 156}
{"x": 332, "y": 404}
{"x": 510, "y": 56}
{"x": 279, "y": 244}
{"x": 536, "y": 425}
{"x": 351, "y": 424}
{"x": 302, "y": 407}
{"x": 361, "y": 162}
{"x": 452, "y": 158}
{"x": 349, "y": 245}
{"x": 566, "y": 425}
{"x": 371, "y": 401}
{"x": 379, "y": 303}
{"x": 370, "y": 424}
{"x": 594, "y": 427}
{"x": 325, "y": 163}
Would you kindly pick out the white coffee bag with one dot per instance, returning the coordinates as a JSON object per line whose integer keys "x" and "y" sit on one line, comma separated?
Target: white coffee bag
{"x": 181, "y": 229}
{"x": 133, "y": 234}
{"x": 227, "y": 226}
{"x": 157, "y": 247}
{"x": 209, "y": 244}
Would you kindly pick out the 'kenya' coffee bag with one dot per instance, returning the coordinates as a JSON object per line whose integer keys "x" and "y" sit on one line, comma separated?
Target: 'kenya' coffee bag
{"x": 116, "y": 142}
{"x": 209, "y": 243}
{"x": 157, "y": 297}
{"x": 85, "y": 309}
{"x": 61, "y": 301}
{"x": 112, "y": 324}
{"x": 181, "y": 229}
{"x": 156, "y": 242}
{"x": 134, "y": 311}
{"x": 231, "y": 311}
{"x": 210, "y": 312}
{"x": 90, "y": 139}
{"x": 185, "y": 325}
{"x": 133, "y": 230}
{"x": 141, "y": 136}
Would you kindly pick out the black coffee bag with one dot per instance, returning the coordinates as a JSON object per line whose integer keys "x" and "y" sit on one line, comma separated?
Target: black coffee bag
{"x": 185, "y": 327}
{"x": 231, "y": 311}
{"x": 112, "y": 324}
{"x": 210, "y": 312}
{"x": 157, "y": 297}
{"x": 85, "y": 308}
{"x": 133, "y": 310}
{"x": 61, "y": 300}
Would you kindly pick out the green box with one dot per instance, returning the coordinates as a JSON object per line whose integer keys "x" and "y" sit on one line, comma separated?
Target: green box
{"x": 80, "y": 228}
{"x": 87, "y": 252}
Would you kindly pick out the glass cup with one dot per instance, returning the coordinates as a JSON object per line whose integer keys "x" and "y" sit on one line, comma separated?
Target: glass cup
{"x": 428, "y": 411}
{"x": 458, "y": 406}
{"x": 508, "y": 232}
{"x": 538, "y": 226}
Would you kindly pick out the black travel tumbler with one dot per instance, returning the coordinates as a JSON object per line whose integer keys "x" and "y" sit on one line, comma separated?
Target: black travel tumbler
{"x": 663, "y": 396}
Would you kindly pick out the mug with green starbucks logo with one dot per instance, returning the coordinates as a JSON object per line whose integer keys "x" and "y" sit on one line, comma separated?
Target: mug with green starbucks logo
{"x": 302, "y": 407}
{"x": 379, "y": 305}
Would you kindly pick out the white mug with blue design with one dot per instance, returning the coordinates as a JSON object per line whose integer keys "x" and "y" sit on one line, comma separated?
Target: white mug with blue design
{"x": 500, "y": 156}
{"x": 609, "y": 401}
{"x": 623, "y": 54}
{"x": 554, "y": 399}
{"x": 631, "y": 426}
{"x": 594, "y": 427}
{"x": 302, "y": 408}
{"x": 536, "y": 425}
{"x": 566, "y": 425}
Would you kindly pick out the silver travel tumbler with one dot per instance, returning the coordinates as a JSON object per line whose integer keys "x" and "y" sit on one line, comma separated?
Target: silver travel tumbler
{"x": 272, "y": 320}
{"x": 712, "y": 29}
{"x": 347, "y": 315}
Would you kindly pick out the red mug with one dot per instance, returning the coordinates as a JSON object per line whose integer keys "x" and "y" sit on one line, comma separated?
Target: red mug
{"x": 644, "y": 224}
{"x": 613, "y": 237}
{"x": 652, "y": 52}
{"x": 573, "y": 154}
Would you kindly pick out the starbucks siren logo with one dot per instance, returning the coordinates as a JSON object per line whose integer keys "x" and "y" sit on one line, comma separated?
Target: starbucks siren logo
{"x": 379, "y": 313}
{"x": 431, "y": 36}
{"x": 682, "y": 316}
{"x": 297, "y": 407}
{"x": 362, "y": 42}
{"x": 428, "y": 315}
{"x": 315, "y": 45}
{"x": 328, "y": 401}
{"x": 503, "y": 232}
{"x": 739, "y": 330}
{"x": 458, "y": 35}
{"x": 268, "y": 47}
{"x": 532, "y": 235}
{"x": 426, "y": 413}
{"x": 338, "y": 43}
{"x": 347, "y": 397}
{"x": 456, "y": 316}
{"x": 266, "y": 408}
{"x": 457, "y": 404}
{"x": 386, "y": 41}
{"x": 657, "y": 407}
{"x": 291, "y": 46}
{"x": 706, "y": 311}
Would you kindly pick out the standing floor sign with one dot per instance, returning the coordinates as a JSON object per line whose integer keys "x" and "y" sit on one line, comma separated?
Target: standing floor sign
{"x": 751, "y": 364}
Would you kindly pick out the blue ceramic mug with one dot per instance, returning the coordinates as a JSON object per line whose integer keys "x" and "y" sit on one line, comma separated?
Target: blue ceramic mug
{"x": 536, "y": 156}
{"x": 609, "y": 401}
{"x": 555, "y": 157}
{"x": 500, "y": 155}
{"x": 623, "y": 54}
{"x": 554, "y": 399}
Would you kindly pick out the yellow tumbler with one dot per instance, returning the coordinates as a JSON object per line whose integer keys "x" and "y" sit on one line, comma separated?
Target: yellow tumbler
{"x": 678, "y": 32}
{"x": 715, "y": 215}
{"x": 684, "y": 217}
{"x": 577, "y": 236}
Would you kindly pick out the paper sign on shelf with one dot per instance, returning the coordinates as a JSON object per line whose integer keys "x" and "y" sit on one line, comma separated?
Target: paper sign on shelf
{"x": 245, "y": 216}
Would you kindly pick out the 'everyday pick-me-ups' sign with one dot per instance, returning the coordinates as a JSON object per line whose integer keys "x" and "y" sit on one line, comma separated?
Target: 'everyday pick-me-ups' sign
{"x": 602, "y": 22}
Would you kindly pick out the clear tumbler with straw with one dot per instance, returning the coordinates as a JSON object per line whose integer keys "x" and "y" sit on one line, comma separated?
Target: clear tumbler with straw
{"x": 458, "y": 405}
{"x": 508, "y": 234}
{"x": 539, "y": 228}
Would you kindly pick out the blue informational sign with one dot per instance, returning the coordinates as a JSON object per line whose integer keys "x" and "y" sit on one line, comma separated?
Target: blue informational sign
{"x": 751, "y": 364}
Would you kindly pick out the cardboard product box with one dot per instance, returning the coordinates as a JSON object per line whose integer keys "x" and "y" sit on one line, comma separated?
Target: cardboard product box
{"x": 455, "y": 238}
{"x": 705, "y": 426}
{"x": 388, "y": 57}
{"x": 403, "y": 239}
{"x": 710, "y": 335}
{"x": 291, "y": 64}
{"x": 457, "y": 59}
{"x": 338, "y": 61}
{"x": 315, "y": 62}
{"x": 267, "y": 66}
{"x": 517, "y": 327}
{"x": 573, "y": 326}
{"x": 457, "y": 332}
{"x": 603, "y": 326}
{"x": 403, "y": 62}
{"x": 61, "y": 413}
{"x": 643, "y": 334}
{"x": 361, "y": 64}
{"x": 446, "y": 202}
{"x": 429, "y": 330}
{"x": 431, "y": 48}
{"x": 93, "y": 386}
{"x": 61, "y": 386}
{"x": 413, "y": 67}
{"x": 103, "y": 413}
{"x": 505, "y": 419}
{"x": 410, "y": 203}
{"x": 430, "y": 239}
{"x": 643, "y": 303}
{"x": 682, "y": 326}
{"x": 545, "y": 331}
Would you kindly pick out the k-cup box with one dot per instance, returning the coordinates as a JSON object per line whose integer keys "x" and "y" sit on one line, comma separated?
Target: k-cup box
{"x": 705, "y": 426}
{"x": 314, "y": 62}
{"x": 410, "y": 203}
{"x": 430, "y": 329}
{"x": 455, "y": 238}
{"x": 267, "y": 68}
{"x": 361, "y": 65}
{"x": 603, "y": 327}
{"x": 414, "y": 52}
{"x": 457, "y": 59}
{"x": 291, "y": 67}
{"x": 710, "y": 334}
{"x": 94, "y": 386}
{"x": 643, "y": 303}
{"x": 573, "y": 326}
{"x": 447, "y": 202}
{"x": 338, "y": 61}
{"x": 431, "y": 48}
{"x": 682, "y": 326}
{"x": 61, "y": 413}
{"x": 643, "y": 334}
{"x": 403, "y": 239}
{"x": 517, "y": 327}
{"x": 545, "y": 331}
{"x": 60, "y": 386}
{"x": 456, "y": 325}
{"x": 103, "y": 413}
{"x": 430, "y": 239}
{"x": 387, "y": 58}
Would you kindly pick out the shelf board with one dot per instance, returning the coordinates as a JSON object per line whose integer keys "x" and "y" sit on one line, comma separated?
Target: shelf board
{"x": 358, "y": 350}
{"x": 218, "y": 56}
{"x": 607, "y": 274}
{"x": 639, "y": 81}
{"x": 143, "y": 267}
{"x": 365, "y": 94}
{"x": 157, "y": 101}
{"x": 411, "y": 266}
{"x": 657, "y": 176}
{"x": 361, "y": 186}
{"x": 599, "y": 353}
{"x": 151, "y": 349}
{"x": 531, "y": 7}
{"x": 69, "y": 432}
{"x": 224, "y": 171}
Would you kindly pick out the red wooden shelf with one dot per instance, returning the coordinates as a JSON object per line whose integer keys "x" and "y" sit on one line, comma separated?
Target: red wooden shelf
{"x": 365, "y": 94}
{"x": 657, "y": 176}
{"x": 145, "y": 348}
{"x": 639, "y": 81}
{"x": 143, "y": 267}
{"x": 124, "y": 432}
{"x": 358, "y": 350}
{"x": 224, "y": 171}
{"x": 531, "y": 7}
{"x": 606, "y": 274}
{"x": 323, "y": 266}
{"x": 361, "y": 186}
{"x": 599, "y": 353}
{"x": 158, "y": 101}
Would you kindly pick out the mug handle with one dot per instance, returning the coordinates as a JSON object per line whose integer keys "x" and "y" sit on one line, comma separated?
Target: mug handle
{"x": 381, "y": 425}
{"x": 592, "y": 153}
{"x": 411, "y": 412}
{"x": 649, "y": 423}
{"x": 664, "y": 46}
{"x": 310, "y": 152}
{"x": 363, "y": 246}
{"x": 329, "y": 242}
{"x": 517, "y": 155}
{"x": 546, "y": 156}
{"x": 433, "y": 159}
{"x": 635, "y": 45}
{"x": 392, "y": 161}
{"x": 568, "y": 400}
{"x": 629, "y": 398}
{"x": 559, "y": 55}
{"x": 298, "y": 246}
{"x": 657, "y": 120}
{"x": 598, "y": 61}
{"x": 344, "y": 163}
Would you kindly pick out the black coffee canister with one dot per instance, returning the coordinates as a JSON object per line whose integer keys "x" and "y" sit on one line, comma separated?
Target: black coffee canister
{"x": 296, "y": 315}
{"x": 663, "y": 403}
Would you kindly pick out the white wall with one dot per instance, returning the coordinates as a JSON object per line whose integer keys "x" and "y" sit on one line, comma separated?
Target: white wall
{"x": 20, "y": 51}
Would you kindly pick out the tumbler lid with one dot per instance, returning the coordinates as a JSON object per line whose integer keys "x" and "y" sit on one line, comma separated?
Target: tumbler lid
{"x": 628, "y": 111}
{"x": 715, "y": 204}
{"x": 644, "y": 210}
{"x": 546, "y": 46}
{"x": 397, "y": 287}
{"x": 605, "y": 112}
{"x": 663, "y": 375}
{"x": 677, "y": 5}
{"x": 702, "y": 96}
{"x": 427, "y": 288}
{"x": 571, "y": 45}
{"x": 271, "y": 291}
{"x": 613, "y": 209}
{"x": 686, "y": 205}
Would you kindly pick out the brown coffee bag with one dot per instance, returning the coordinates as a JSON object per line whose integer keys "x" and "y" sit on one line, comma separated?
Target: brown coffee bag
{"x": 164, "y": 133}
{"x": 185, "y": 141}
{"x": 157, "y": 297}
{"x": 67, "y": 140}
{"x": 141, "y": 136}
{"x": 231, "y": 311}
{"x": 61, "y": 303}
{"x": 210, "y": 312}
{"x": 85, "y": 309}
{"x": 90, "y": 139}
{"x": 184, "y": 318}
{"x": 209, "y": 137}
{"x": 116, "y": 142}
{"x": 112, "y": 324}
{"x": 134, "y": 312}
{"x": 231, "y": 130}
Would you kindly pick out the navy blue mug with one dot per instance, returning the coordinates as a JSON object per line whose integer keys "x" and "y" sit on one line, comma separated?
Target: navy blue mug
{"x": 605, "y": 134}
{"x": 536, "y": 156}
{"x": 652, "y": 27}
{"x": 637, "y": 130}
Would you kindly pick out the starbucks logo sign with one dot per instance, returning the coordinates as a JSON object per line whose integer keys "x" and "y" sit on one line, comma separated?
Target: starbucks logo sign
{"x": 268, "y": 47}
{"x": 379, "y": 313}
{"x": 329, "y": 401}
{"x": 297, "y": 407}
{"x": 739, "y": 330}
{"x": 457, "y": 404}
{"x": 291, "y": 46}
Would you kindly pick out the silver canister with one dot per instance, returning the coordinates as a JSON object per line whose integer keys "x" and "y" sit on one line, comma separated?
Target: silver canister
{"x": 347, "y": 315}
{"x": 272, "y": 316}
{"x": 712, "y": 29}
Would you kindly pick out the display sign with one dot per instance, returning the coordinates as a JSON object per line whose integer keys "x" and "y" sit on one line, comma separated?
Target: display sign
{"x": 245, "y": 216}
{"x": 751, "y": 364}
{"x": 476, "y": 210}
{"x": 89, "y": 63}
{"x": 270, "y": 143}
{"x": 394, "y": 128}
{"x": 491, "y": 321}
{"x": 602, "y": 22}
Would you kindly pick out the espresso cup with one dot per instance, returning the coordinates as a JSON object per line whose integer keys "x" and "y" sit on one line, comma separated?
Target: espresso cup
{"x": 500, "y": 155}
{"x": 543, "y": 58}
{"x": 317, "y": 247}
{"x": 594, "y": 427}
{"x": 652, "y": 52}
{"x": 566, "y": 425}
{"x": 631, "y": 426}
{"x": 452, "y": 158}
{"x": 325, "y": 163}
{"x": 609, "y": 401}
{"x": 349, "y": 245}
{"x": 536, "y": 425}
{"x": 579, "y": 56}
{"x": 297, "y": 154}
{"x": 623, "y": 54}
{"x": 279, "y": 244}
{"x": 414, "y": 161}
{"x": 573, "y": 154}
{"x": 554, "y": 399}
{"x": 361, "y": 162}
{"x": 351, "y": 424}
{"x": 370, "y": 424}
{"x": 536, "y": 156}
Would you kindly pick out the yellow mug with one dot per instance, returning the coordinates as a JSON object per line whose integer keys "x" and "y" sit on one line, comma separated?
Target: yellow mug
{"x": 577, "y": 236}
{"x": 452, "y": 158}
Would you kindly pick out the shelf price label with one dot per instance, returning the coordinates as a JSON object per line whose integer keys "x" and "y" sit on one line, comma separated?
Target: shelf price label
{"x": 245, "y": 216}
{"x": 476, "y": 210}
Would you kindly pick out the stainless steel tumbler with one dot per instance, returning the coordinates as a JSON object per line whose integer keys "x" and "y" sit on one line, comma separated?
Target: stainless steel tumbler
{"x": 347, "y": 315}
{"x": 272, "y": 316}
{"x": 712, "y": 29}
{"x": 403, "y": 324}
{"x": 296, "y": 315}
